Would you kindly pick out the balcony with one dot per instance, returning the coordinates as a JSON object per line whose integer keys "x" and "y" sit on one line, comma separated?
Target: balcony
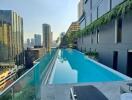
{"x": 28, "y": 86}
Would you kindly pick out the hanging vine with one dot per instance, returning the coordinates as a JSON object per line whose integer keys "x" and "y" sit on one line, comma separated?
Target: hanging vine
{"x": 116, "y": 12}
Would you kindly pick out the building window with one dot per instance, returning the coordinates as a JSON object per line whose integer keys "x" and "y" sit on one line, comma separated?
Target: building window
{"x": 119, "y": 30}
{"x": 97, "y": 12}
{"x": 103, "y": 7}
{"x": 91, "y": 11}
{"x": 116, "y": 2}
{"x": 110, "y": 4}
{"x": 97, "y": 33}
{"x": 86, "y": 1}
{"x": 92, "y": 38}
{"x": 94, "y": 14}
{"x": 115, "y": 60}
{"x": 82, "y": 39}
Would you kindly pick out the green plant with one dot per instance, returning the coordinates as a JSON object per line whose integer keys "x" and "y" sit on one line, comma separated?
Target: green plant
{"x": 70, "y": 38}
{"x": 95, "y": 54}
{"x": 116, "y": 12}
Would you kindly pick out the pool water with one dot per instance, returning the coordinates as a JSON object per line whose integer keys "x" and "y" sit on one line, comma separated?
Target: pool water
{"x": 72, "y": 66}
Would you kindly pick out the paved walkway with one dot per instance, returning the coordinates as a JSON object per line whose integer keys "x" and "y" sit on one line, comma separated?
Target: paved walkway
{"x": 62, "y": 92}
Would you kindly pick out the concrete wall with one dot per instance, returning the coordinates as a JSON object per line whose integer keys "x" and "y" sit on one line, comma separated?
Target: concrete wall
{"x": 107, "y": 44}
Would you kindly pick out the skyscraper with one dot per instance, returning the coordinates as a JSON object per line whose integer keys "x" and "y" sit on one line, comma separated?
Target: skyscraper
{"x": 73, "y": 27}
{"x": 37, "y": 38}
{"x": 80, "y": 9}
{"x": 32, "y": 42}
{"x": 46, "y": 36}
{"x": 11, "y": 37}
{"x": 51, "y": 37}
{"x": 28, "y": 43}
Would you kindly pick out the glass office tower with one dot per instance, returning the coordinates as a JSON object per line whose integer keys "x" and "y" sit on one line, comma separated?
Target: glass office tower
{"x": 11, "y": 37}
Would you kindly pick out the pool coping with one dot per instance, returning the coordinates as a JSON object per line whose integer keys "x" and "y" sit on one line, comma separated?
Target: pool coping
{"x": 112, "y": 90}
{"x": 49, "y": 69}
{"x": 125, "y": 77}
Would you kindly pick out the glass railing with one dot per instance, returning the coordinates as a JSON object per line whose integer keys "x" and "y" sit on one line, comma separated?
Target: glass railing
{"x": 27, "y": 87}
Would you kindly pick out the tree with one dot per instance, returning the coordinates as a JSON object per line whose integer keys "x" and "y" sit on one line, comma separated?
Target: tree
{"x": 57, "y": 40}
{"x": 69, "y": 40}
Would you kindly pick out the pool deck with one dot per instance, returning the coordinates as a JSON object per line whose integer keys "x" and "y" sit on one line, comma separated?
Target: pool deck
{"x": 62, "y": 92}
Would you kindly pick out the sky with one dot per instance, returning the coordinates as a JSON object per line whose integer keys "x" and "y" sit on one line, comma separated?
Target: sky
{"x": 58, "y": 13}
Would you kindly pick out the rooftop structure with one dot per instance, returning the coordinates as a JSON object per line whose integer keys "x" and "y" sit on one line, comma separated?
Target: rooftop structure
{"x": 73, "y": 27}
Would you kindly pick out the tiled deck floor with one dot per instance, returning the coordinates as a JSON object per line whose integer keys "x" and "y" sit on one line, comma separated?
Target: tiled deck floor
{"x": 62, "y": 92}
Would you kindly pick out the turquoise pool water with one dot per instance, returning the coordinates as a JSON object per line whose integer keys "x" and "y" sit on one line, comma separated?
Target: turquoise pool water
{"x": 71, "y": 66}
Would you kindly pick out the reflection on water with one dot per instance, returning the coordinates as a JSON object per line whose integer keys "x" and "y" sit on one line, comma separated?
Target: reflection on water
{"x": 72, "y": 66}
{"x": 63, "y": 68}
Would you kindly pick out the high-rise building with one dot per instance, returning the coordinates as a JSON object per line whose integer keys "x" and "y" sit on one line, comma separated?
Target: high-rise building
{"x": 46, "y": 36}
{"x": 51, "y": 37}
{"x": 37, "y": 39}
{"x": 73, "y": 27}
{"x": 28, "y": 43}
{"x": 80, "y": 8}
{"x": 110, "y": 27}
{"x": 32, "y": 42}
{"x": 11, "y": 37}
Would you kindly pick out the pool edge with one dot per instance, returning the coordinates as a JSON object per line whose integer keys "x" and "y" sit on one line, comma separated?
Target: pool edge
{"x": 125, "y": 77}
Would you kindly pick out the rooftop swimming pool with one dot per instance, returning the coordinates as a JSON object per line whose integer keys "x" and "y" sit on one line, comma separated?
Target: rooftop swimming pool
{"x": 72, "y": 66}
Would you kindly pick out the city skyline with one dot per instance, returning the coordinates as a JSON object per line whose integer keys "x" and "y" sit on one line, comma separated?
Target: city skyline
{"x": 90, "y": 56}
{"x": 43, "y": 12}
